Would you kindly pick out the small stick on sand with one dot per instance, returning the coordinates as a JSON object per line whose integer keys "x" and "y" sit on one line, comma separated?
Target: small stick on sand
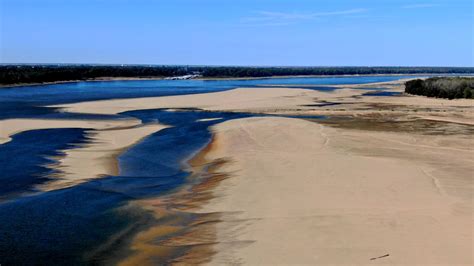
{"x": 386, "y": 255}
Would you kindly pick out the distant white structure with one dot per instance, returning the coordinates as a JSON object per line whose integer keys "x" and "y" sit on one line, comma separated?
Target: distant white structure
{"x": 184, "y": 77}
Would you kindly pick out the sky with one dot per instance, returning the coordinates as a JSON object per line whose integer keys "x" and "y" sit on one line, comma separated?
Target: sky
{"x": 239, "y": 32}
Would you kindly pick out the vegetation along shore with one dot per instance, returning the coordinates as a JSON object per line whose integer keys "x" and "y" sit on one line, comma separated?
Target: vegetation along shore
{"x": 31, "y": 74}
{"x": 442, "y": 87}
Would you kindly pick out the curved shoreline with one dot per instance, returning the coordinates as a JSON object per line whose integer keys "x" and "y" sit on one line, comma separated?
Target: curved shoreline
{"x": 185, "y": 236}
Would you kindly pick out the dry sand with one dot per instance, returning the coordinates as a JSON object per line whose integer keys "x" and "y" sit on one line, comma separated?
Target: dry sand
{"x": 10, "y": 127}
{"x": 237, "y": 99}
{"x": 349, "y": 102}
{"x": 302, "y": 193}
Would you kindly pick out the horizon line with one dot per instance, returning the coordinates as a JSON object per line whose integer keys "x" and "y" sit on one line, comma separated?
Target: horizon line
{"x": 230, "y": 65}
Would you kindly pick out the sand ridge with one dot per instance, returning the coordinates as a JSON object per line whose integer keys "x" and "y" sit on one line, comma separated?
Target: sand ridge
{"x": 309, "y": 194}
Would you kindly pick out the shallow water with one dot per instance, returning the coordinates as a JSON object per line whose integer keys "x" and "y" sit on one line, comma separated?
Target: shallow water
{"x": 382, "y": 93}
{"x": 24, "y": 158}
{"x": 77, "y": 221}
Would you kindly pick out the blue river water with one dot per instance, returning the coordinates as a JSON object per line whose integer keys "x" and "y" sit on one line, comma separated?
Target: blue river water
{"x": 70, "y": 226}
{"x": 23, "y": 159}
{"x": 74, "y": 225}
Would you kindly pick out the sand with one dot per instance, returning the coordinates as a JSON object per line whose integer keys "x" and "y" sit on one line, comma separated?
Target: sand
{"x": 293, "y": 101}
{"x": 10, "y": 127}
{"x": 237, "y": 99}
{"x": 302, "y": 193}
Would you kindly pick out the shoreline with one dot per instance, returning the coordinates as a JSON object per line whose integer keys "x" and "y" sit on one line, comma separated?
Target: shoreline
{"x": 322, "y": 76}
{"x": 15, "y": 85}
{"x": 214, "y": 78}
{"x": 185, "y": 235}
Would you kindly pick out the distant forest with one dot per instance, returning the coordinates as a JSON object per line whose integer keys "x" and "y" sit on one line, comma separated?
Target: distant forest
{"x": 14, "y": 74}
{"x": 445, "y": 87}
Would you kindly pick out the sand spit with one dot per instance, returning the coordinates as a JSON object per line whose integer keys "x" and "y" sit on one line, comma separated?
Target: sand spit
{"x": 347, "y": 102}
{"x": 10, "y": 127}
{"x": 98, "y": 157}
{"x": 311, "y": 194}
{"x": 237, "y": 99}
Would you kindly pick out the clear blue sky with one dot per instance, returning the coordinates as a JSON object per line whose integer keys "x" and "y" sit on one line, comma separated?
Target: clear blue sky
{"x": 244, "y": 32}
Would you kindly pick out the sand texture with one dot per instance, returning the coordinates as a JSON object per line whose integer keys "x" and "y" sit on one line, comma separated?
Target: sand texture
{"x": 302, "y": 193}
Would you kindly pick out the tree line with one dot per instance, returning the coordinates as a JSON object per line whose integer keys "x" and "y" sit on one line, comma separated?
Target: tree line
{"x": 442, "y": 87}
{"x": 12, "y": 74}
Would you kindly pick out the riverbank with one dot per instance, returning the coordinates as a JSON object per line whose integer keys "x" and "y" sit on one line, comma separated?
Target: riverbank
{"x": 78, "y": 80}
{"x": 217, "y": 78}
